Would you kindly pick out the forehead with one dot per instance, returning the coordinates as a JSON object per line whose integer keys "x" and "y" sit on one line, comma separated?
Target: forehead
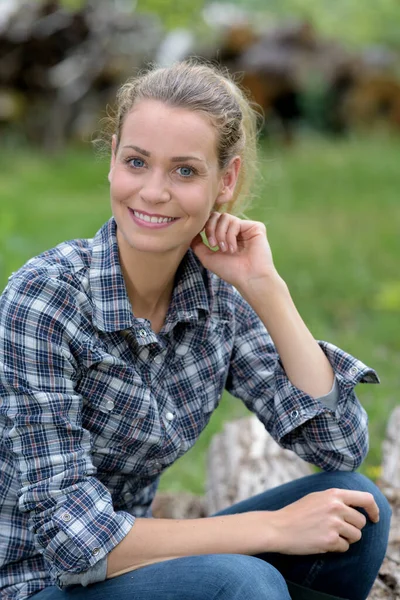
{"x": 160, "y": 128}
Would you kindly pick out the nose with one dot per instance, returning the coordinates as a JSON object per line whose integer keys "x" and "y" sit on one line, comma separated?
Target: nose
{"x": 154, "y": 189}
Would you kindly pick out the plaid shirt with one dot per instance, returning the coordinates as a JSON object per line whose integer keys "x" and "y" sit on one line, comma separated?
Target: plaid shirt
{"x": 94, "y": 405}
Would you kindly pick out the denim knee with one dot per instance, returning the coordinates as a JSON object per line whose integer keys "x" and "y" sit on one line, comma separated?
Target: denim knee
{"x": 377, "y": 534}
{"x": 361, "y": 483}
{"x": 243, "y": 577}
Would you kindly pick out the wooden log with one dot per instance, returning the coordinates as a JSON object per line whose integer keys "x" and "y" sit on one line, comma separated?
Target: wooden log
{"x": 244, "y": 460}
{"x": 178, "y": 505}
{"x": 391, "y": 452}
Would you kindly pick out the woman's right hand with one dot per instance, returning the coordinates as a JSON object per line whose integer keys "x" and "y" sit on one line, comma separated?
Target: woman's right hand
{"x": 322, "y": 522}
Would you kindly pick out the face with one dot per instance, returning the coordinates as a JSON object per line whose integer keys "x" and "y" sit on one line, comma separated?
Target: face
{"x": 164, "y": 178}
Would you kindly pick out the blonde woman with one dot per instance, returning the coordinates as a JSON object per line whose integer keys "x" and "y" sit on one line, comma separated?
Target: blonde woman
{"x": 115, "y": 351}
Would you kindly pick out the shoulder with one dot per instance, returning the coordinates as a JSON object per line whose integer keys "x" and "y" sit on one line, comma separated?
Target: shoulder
{"x": 65, "y": 260}
{"x": 47, "y": 284}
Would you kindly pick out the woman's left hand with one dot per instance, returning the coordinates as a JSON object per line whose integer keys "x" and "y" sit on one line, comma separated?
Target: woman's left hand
{"x": 244, "y": 252}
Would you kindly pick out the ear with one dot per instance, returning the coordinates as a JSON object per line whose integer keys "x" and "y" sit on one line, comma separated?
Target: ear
{"x": 228, "y": 181}
{"x": 113, "y": 153}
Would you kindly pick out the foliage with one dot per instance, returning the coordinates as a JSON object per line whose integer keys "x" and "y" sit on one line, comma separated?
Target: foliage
{"x": 333, "y": 220}
{"x": 357, "y": 23}
{"x": 174, "y": 13}
{"x": 366, "y": 22}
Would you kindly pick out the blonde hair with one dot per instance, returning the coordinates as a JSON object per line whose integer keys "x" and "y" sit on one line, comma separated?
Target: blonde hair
{"x": 211, "y": 91}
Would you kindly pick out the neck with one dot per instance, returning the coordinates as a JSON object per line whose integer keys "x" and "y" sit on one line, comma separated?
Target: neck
{"x": 149, "y": 279}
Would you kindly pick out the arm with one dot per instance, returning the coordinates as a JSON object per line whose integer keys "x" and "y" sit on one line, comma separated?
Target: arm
{"x": 318, "y": 523}
{"x": 155, "y": 540}
{"x": 303, "y": 360}
{"x": 71, "y": 516}
{"x": 277, "y": 368}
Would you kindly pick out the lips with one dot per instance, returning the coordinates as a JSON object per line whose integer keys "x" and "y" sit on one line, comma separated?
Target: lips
{"x": 148, "y": 221}
{"x": 152, "y": 218}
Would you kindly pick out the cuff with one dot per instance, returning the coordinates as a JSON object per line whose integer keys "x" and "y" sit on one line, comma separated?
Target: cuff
{"x": 294, "y": 407}
{"x": 96, "y": 573}
{"x": 332, "y": 398}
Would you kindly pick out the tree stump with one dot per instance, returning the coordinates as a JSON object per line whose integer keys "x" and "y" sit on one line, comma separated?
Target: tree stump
{"x": 387, "y": 585}
{"x": 244, "y": 460}
{"x": 391, "y": 452}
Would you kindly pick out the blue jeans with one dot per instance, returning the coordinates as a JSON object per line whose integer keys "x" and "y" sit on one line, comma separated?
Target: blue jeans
{"x": 347, "y": 575}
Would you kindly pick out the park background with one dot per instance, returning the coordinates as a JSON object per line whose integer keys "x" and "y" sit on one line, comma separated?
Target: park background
{"x": 330, "y": 199}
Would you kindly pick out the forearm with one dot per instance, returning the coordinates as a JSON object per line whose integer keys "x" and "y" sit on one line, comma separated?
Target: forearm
{"x": 155, "y": 540}
{"x": 303, "y": 360}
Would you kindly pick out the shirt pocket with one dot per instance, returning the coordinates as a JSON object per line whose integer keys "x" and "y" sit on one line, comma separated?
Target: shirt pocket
{"x": 116, "y": 402}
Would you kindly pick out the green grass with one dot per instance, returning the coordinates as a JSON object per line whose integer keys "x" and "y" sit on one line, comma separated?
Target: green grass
{"x": 333, "y": 217}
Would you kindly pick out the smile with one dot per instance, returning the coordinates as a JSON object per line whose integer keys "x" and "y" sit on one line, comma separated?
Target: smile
{"x": 152, "y": 219}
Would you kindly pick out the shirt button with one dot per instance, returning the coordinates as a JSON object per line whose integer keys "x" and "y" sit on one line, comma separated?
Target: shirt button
{"x": 142, "y": 332}
{"x": 66, "y": 517}
{"x": 109, "y": 404}
{"x": 169, "y": 416}
{"x": 353, "y": 371}
{"x": 158, "y": 359}
{"x": 157, "y": 464}
{"x": 294, "y": 414}
{"x": 95, "y": 551}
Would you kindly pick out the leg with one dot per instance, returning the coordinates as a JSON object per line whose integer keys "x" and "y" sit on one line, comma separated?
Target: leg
{"x": 347, "y": 575}
{"x": 206, "y": 577}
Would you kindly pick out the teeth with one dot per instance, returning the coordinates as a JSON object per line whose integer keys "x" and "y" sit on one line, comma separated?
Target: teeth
{"x": 149, "y": 219}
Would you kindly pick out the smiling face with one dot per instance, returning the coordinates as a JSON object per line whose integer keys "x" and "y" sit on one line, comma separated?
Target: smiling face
{"x": 165, "y": 179}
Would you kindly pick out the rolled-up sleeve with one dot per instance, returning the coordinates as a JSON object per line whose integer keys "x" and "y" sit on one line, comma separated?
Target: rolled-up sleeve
{"x": 71, "y": 514}
{"x": 332, "y": 432}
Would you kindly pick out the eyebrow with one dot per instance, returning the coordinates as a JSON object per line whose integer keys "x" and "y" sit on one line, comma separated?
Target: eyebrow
{"x": 173, "y": 159}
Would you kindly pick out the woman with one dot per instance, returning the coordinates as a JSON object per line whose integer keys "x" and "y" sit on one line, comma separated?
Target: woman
{"x": 115, "y": 352}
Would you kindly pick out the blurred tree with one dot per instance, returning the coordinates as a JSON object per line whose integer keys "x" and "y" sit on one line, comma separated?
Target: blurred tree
{"x": 367, "y": 22}
{"x": 174, "y": 13}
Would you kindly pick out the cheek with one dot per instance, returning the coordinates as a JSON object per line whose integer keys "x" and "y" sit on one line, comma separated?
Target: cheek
{"x": 122, "y": 184}
{"x": 199, "y": 201}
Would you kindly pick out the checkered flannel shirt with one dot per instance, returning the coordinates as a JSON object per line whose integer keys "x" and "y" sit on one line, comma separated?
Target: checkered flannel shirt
{"x": 94, "y": 405}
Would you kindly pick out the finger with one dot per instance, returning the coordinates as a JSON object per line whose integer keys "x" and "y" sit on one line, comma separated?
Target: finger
{"x": 337, "y": 543}
{"x": 221, "y": 229}
{"x": 199, "y": 247}
{"x": 349, "y": 533}
{"x": 354, "y": 517}
{"x": 362, "y": 500}
{"x": 210, "y": 228}
{"x": 232, "y": 235}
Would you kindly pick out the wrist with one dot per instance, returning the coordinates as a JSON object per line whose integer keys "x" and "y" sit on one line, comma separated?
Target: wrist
{"x": 264, "y": 531}
{"x": 265, "y": 287}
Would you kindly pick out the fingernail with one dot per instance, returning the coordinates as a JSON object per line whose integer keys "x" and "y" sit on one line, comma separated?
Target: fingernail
{"x": 212, "y": 241}
{"x": 222, "y": 246}
{"x": 232, "y": 249}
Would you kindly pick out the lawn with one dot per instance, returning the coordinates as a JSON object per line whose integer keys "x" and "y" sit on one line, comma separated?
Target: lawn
{"x": 333, "y": 217}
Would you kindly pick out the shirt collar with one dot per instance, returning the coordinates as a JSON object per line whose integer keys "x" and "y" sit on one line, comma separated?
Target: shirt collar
{"x": 192, "y": 291}
{"x": 112, "y": 310}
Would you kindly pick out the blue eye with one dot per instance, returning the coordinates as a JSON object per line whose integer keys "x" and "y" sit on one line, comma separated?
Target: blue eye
{"x": 185, "y": 171}
{"x": 137, "y": 163}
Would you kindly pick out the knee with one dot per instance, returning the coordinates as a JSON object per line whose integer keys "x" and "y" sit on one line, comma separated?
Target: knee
{"x": 241, "y": 577}
{"x": 376, "y": 535}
